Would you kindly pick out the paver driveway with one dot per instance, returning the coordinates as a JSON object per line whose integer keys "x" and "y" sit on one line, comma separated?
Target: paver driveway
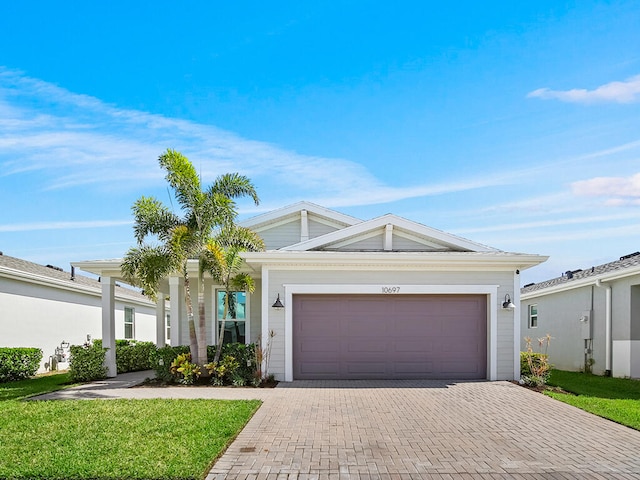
{"x": 424, "y": 429}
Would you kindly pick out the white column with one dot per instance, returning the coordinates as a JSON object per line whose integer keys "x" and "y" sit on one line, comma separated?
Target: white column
{"x": 109, "y": 325}
{"x": 304, "y": 226}
{"x": 176, "y": 295}
{"x": 516, "y": 326}
{"x": 264, "y": 314}
{"x": 388, "y": 238}
{"x": 160, "y": 321}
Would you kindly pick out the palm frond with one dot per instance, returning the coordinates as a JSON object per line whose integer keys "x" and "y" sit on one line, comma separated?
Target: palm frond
{"x": 151, "y": 217}
{"x": 240, "y": 237}
{"x": 243, "y": 282}
{"x": 146, "y": 266}
{"x": 234, "y": 185}
{"x": 182, "y": 177}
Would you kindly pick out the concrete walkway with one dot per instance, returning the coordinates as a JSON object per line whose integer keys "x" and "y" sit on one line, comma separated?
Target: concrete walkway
{"x": 409, "y": 430}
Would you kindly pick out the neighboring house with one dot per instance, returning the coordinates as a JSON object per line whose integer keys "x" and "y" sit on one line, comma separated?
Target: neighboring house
{"x": 593, "y": 316}
{"x": 353, "y": 299}
{"x": 48, "y": 308}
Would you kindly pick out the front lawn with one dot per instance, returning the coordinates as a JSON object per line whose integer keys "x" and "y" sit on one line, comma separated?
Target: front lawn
{"x": 617, "y": 399}
{"x": 113, "y": 439}
{"x": 34, "y": 386}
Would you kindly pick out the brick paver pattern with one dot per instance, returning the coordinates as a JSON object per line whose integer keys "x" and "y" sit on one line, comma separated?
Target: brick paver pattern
{"x": 424, "y": 429}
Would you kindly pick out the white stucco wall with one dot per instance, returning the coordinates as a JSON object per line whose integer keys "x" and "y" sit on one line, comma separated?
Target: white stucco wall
{"x": 42, "y": 316}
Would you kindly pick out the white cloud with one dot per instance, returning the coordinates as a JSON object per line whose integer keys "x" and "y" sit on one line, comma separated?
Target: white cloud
{"x": 590, "y": 220}
{"x": 627, "y": 91}
{"x": 620, "y": 191}
{"x": 75, "y": 140}
{"x": 30, "y": 227}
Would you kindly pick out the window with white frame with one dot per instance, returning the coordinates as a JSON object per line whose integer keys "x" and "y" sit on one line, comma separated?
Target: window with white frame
{"x": 168, "y": 336}
{"x": 129, "y": 323}
{"x": 533, "y": 316}
{"x": 235, "y": 320}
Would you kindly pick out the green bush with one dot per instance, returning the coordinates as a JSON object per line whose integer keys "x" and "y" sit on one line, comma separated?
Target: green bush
{"x": 18, "y": 363}
{"x": 134, "y": 356}
{"x": 87, "y": 362}
{"x": 186, "y": 371}
{"x": 242, "y": 370}
{"x": 163, "y": 357}
{"x": 537, "y": 359}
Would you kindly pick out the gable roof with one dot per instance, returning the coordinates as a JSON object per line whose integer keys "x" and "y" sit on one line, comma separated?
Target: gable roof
{"x": 259, "y": 222}
{"x": 626, "y": 266}
{"x": 433, "y": 239}
{"x": 17, "y": 268}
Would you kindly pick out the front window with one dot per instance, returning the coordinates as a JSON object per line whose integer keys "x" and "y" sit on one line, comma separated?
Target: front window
{"x": 234, "y": 328}
{"x": 168, "y": 336}
{"x": 129, "y": 323}
{"x": 533, "y": 316}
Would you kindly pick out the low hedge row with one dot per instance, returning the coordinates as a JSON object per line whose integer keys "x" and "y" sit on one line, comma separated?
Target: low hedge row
{"x": 18, "y": 363}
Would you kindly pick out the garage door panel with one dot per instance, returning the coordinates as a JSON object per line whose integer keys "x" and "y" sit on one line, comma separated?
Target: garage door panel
{"x": 366, "y": 345}
{"x": 370, "y": 327}
{"x": 320, "y": 369}
{"x": 390, "y": 336}
{"x": 408, "y": 328}
{"x": 413, "y": 369}
{"x": 412, "y": 346}
{"x": 325, "y": 345}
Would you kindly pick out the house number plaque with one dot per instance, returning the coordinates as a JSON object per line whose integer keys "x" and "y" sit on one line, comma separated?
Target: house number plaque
{"x": 390, "y": 289}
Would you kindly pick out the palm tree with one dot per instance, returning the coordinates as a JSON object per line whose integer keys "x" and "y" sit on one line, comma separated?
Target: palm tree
{"x": 223, "y": 261}
{"x": 182, "y": 238}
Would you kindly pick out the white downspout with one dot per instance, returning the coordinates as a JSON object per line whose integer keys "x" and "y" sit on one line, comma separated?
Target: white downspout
{"x": 607, "y": 327}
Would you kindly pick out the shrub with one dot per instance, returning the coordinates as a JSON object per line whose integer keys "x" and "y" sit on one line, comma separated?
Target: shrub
{"x": 244, "y": 355}
{"x": 226, "y": 371}
{"x": 18, "y": 363}
{"x": 163, "y": 357}
{"x": 534, "y": 366}
{"x": 87, "y": 362}
{"x": 134, "y": 356}
{"x": 187, "y": 371}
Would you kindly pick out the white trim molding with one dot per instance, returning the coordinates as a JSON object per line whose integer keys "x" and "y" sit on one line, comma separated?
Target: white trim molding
{"x": 492, "y": 311}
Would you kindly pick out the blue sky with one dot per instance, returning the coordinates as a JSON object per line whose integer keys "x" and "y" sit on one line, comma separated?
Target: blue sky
{"x": 514, "y": 124}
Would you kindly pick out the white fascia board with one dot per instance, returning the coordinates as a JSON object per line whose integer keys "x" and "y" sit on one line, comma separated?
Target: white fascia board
{"x": 583, "y": 282}
{"x": 102, "y": 268}
{"x": 290, "y": 210}
{"x": 61, "y": 285}
{"x": 432, "y": 234}
{"x": 444, "y": 261}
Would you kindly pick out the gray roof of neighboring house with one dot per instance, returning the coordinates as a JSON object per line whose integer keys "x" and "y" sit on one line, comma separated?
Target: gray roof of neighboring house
{"x": 61, "y": 276}
{"x": 627, "y": 261}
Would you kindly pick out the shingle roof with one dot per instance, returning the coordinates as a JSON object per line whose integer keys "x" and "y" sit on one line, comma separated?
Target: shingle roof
{"x": 628, "y": 261}
{"x": 61, "y": 276}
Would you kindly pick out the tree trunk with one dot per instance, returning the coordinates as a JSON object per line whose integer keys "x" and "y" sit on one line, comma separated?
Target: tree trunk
{"x": 202, "y": 325}
{"x": 193, "y": 340}
{"x": 221, "y": 329}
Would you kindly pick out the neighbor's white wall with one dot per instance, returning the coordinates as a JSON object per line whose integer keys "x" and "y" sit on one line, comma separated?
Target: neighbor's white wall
{"x": 43, "y": 316}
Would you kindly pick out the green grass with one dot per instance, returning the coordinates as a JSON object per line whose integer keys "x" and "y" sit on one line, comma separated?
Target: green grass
{"x": 617, "y": 399}
{"x": 34, "y": 386}
{"x": 112, "y": 439}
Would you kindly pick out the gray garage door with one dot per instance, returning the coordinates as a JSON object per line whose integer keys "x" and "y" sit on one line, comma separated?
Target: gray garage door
{"x": 389, "y": 336}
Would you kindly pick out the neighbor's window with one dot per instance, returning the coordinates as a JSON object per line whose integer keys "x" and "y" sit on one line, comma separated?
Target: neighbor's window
{"x": 234, "y": 328}
{"x": 168, "y": 340}
{"x": 129, "y": 323}
{"x": 533, "y": 316}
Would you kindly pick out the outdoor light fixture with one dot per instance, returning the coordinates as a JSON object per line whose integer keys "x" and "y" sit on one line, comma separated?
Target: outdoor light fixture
{"x": 278, "y": 304}
{"x": 508, "y": 304}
